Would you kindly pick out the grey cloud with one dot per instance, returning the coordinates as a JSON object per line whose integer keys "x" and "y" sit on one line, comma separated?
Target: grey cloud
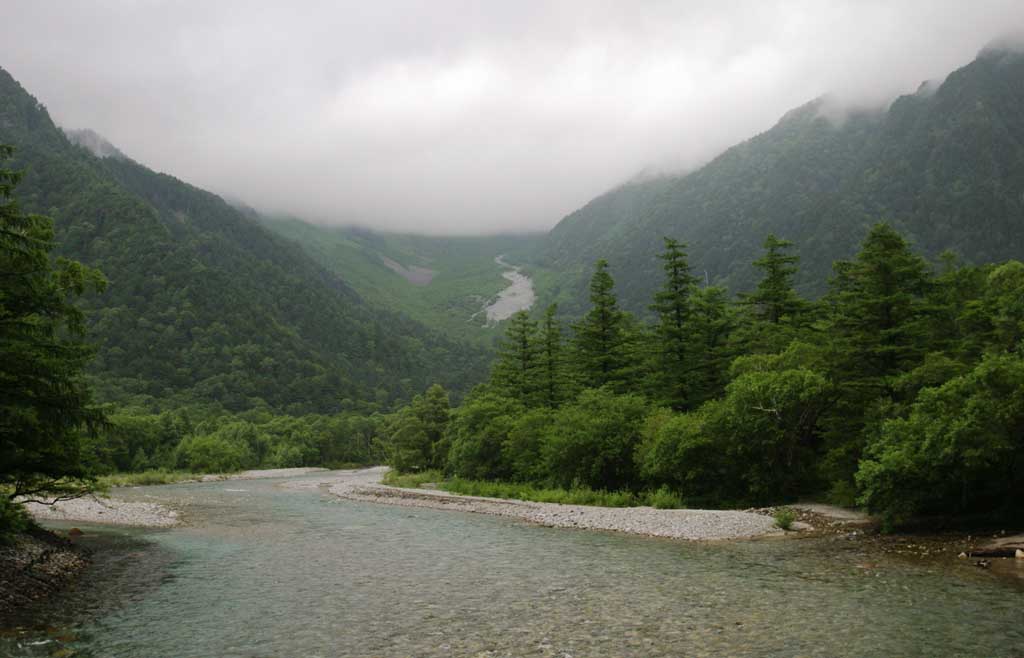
{"x": 463, "y": 116}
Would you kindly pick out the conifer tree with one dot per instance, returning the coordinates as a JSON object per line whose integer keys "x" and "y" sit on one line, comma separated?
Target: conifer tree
{"x": 45, "y": 404}
{"x": 880, "y": 311}
{"x": 774, "y": 301}
{"x": 878, "y": 331}
{"x": 599, "y": 337}
{"x": 515, "y": 372}
{"x": 552, "y": 381}
{"x": 673, "y": 340}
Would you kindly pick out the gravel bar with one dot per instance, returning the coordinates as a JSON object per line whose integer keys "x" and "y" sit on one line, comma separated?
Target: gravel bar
{"x": 687, "y": 524}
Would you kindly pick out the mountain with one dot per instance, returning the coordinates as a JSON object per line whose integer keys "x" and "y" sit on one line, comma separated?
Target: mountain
{"x": 443, "y": 282}
{"x": 204, "y": 303}
{"x": 944, "y": 165}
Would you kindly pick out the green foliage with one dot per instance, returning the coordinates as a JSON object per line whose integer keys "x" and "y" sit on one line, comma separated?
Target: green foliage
{"x": 947, "y": 168}
{"x": 516, "y": 372}
{"x": 784, "y": 518}
{"x": 579, "y": 495}
{"x": 13, "y": 519}
{"x": 143, "y": 478}
{"x": 412, "y": 480}
{"x": 591, "y": 441}
{"x": 214, "y": 453}
{"x": 478, "y": 433}
{"x": 416, "y": 436}
{"x": 675, "y": 340}
{"x": 961, "y": 448}
{"x": 600, "y": 339}
{"x": 552, "y": 376}
{"x": 205, "y": 304}
{"x": 46, "y": 408}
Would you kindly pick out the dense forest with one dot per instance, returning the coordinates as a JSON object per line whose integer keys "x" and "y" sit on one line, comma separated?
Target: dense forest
{"x": 944, "y": 166}
{"x": 902, "y": 389}
{"x": 204, "y": 305}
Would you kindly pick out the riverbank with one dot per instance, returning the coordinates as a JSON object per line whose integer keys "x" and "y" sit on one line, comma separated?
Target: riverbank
{"x": 113, "y": 511}
{"x": 685, "y": 524}
{"x": 34, "y": 565}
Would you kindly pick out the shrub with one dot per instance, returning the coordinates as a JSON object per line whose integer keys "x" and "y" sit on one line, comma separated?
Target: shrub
{"x": 784, "y": 518}
{"x": 664, "y": 498}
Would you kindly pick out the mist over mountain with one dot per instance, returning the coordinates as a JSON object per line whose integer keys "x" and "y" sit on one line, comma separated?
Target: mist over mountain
{"x": 944, "y": 165}
{"x": 204, "y": 304}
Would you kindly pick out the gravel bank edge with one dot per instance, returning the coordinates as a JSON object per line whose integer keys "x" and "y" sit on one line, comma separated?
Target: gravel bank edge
{"x": 685, "y": 524}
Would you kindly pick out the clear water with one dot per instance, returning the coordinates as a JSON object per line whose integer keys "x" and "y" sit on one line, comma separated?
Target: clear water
{"x": 274, "y": 572}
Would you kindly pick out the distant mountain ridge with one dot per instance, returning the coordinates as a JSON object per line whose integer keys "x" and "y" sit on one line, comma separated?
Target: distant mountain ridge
{"x": 944, "y": 165}
{"x": 204, "y": 303}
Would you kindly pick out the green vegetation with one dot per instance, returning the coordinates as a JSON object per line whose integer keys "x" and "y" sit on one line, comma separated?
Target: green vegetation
{"x": 46, "y": 410}
{"x": 784, "y": 518}
{"x": 946, "y": 168}
{"x": 143, "y": 478}
{"x": 902, "y": 389}
{"x": 205, "y": 306}
{"x": 462, "y": 272}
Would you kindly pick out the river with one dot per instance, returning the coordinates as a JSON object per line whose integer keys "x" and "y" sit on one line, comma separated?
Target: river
{"x": 265, "y": 571}
{"x": 517, "y": 296}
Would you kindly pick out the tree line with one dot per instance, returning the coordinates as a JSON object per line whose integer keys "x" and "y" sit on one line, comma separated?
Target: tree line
{"x": 902, "y": 390}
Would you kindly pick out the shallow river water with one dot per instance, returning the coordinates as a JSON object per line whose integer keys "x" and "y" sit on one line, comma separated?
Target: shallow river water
{"x": 265, "y": 571}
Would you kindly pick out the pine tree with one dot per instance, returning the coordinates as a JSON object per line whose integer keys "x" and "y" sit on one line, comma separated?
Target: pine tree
{"x": 673, "y": 341}
{"x": 45, "y": 404}
{"x": 774, "y": 301}
{"x": 515, "y": 372}
{"x": 878, "y": 331}
{"x": 599, "y": 338}
{"x": 552, "y": 380}
{"x": 880, "y": 311}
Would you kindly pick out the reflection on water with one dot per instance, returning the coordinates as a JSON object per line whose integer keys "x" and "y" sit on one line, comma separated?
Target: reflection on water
{"x": 269, "y": 572}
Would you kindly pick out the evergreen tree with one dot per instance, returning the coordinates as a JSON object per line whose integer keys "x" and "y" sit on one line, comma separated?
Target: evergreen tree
{"x": 46, "y": 407}
{"x": 600, "y": 340}
{"x": 515, "y": 372}
{"x": 673, "y": 344}
{"x": 713, "y": 322}
{"x": 880, "y": 312}
{"x": 878, "y": 332}
{"x": 552, "y": 380}
{"x": 774, "y": 301}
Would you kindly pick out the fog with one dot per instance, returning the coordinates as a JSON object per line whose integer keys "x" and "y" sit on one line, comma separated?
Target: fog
{"x": 463, "y": 117}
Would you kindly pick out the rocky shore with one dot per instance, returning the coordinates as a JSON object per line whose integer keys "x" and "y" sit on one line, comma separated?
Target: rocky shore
{"x": 94, "y": 509}
{"x": 36, "y": 564}
{"x": 687, "y": 524}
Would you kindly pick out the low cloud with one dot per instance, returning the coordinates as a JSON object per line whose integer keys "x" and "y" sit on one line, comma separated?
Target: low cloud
{"x": 463, "y": 117}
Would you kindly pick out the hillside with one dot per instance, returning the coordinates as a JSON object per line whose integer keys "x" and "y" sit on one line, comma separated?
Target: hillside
{"x": 944, "y": 165}
{"x": 443, "y": 282}
{"x": 206, "y": 304}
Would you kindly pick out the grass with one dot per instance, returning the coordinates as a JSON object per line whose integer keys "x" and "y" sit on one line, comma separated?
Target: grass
{"x": 144, "y": 478}
{"x": 662, "y": 498}
{"x": 411, "y": 480}
{"x": 784, "y": 518}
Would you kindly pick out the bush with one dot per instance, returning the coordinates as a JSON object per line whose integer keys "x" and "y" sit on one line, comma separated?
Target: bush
{"x": 13, "y": 519}
{"x": 213, "y": 454}
{"x": 664, "y": 498}
{"x": 591, "y": 442}
{"x": 958, "y": 451}
{"x": 784, "y": 518}
{"x": 411, "y": 480}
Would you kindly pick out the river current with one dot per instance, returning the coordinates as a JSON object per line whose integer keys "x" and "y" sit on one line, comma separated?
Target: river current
{"x": 265, "y": 571}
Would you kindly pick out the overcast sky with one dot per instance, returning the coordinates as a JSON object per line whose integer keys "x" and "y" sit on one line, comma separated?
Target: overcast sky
{"x": 462, "y": 117}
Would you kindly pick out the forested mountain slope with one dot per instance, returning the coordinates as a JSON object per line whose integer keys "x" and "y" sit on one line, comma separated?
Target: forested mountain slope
{"x": 204, "y": 303}
{"x": 945, "y": 166}
{"x": 442, "y": 281}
